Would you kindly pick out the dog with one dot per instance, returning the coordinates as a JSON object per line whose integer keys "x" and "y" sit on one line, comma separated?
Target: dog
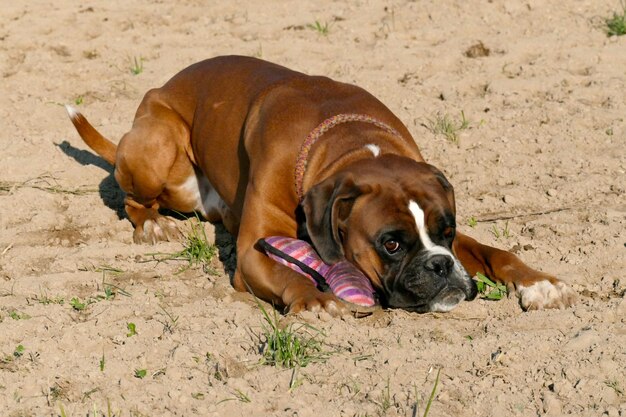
{"x": 269, "y": 151}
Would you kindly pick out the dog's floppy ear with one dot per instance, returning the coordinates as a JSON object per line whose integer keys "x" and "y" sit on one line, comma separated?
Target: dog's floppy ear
{"x": 446, "y": 186}
{"x": 326, "y": 206}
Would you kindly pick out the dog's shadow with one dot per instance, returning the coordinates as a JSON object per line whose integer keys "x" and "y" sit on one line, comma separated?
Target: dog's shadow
{"x": 113, "y": 197}
{"x": 110, "y": 193}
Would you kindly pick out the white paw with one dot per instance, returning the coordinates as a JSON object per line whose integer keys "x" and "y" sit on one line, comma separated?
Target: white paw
{"x": 156, "y": 230}
{"x": 544, "y": 294}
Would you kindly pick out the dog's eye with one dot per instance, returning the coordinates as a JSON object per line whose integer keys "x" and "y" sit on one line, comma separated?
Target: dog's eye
{"x": 448, "y": 232}
{"x": 392, "y": 246}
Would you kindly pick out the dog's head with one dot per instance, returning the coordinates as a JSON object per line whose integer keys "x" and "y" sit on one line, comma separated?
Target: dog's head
{"x": 394, "y": 218}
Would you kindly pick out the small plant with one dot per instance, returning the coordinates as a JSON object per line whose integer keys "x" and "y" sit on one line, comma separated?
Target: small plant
{"x": 488, "y": 289}
{"x": 447, "y": 126}
{"x": 78, "y": 305}
{"x": 44, "y": 182}
{"x": 320, "y": 28}
{"x": 238, "y": 395}
{"x": 19, "y": 351}
{"x": 109, "y": 293}
{"x": 241, "y": 396}
{"x": 16, "y": 315}
{"x": 45, "y": 300}
{"x": 504, "y": 232}
{"x": 140, "y": 373}
{"x": 132, "y": 331}
{"x": 432, "y": 394}
{"x": 171, "y": 322}
{"x": 136, "y": 65}
{"x": 196, "y": 250}
{"x": 384, "y": 401}
{"x": 614, "y": 384}
{"x": 78, "y": 100}
{"x": 472, "y": 222}
{"x": 285, "y": 347}
{"x": 102, "y": 362}
{"x": 108, "y": 269}
{"x": 616, "y": 25}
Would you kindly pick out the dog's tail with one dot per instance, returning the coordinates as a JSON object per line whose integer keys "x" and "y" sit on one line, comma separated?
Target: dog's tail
{"x": 101, "y": 145}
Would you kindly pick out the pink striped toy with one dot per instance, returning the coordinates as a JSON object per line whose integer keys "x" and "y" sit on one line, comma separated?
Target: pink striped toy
{"x": 344, "y": 279}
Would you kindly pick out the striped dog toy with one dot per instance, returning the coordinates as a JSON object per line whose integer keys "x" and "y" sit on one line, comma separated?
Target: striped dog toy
{"x": 344, "y": 279}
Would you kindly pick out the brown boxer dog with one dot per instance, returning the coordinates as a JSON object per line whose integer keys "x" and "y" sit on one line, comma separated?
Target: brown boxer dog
{"x": 269, "y": 151}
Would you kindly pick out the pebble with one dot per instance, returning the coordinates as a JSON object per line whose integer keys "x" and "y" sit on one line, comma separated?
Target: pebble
{"x": 583, "y": 341}
{"x": 308, "y": 316}
{"x": 551, "y": 405}
{"x": 444, "y": 396}
{"x": 551, "y": 192}
{"x": 508, "y": 199}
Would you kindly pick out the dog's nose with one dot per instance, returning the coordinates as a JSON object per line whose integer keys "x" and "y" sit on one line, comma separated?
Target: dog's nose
{"x": 439, "y": 264}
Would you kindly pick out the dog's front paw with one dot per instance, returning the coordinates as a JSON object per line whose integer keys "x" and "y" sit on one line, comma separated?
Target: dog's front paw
{"x": 155, "y": 230}
{"x": 317, "y": 301}
{"x": 546, "y": 294}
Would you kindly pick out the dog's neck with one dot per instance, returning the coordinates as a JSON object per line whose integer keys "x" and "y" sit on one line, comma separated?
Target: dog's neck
{"x": 346, "y": 144}
{"x": 363, "y": 136}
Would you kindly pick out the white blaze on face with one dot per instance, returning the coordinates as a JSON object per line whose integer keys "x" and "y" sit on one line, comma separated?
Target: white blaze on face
{"x": 420, "y": 222}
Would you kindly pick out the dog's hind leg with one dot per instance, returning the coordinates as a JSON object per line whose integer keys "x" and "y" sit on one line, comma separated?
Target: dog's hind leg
{"x": 152, "y": 163}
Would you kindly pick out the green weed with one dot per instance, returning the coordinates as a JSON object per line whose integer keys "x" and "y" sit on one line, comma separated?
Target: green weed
{"x": 504, "y": 232}
{"x": 614, "y": 384}
{"x": 489, "y": 289}
{"x": 238, "y": 395}
{"x": 196, "y": 250}
{"x": 136, "y": 65}
{"x": 19, "y": 351}
{"x": 616, "y": 25}
{"x": 140, "y": 373}
{"x": 45, "y": 300}
{"x": 447, "y": 126}
{"x": 43, "y": 182}
{"x": 472, "y": 222}
{"x": 384, "y": 401}
{"x": 16, "y": 315}
{"x": 79, "y": 305}
{"x": 172, "y": 321}
{"x": 132, "y": 331}
{"x": 432, "y": 394}
{"x": 320, "y": 28}
{"x": 287, "y": 347}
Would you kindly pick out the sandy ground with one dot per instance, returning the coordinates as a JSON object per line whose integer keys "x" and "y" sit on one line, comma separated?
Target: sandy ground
{"x": 546, "y": 146}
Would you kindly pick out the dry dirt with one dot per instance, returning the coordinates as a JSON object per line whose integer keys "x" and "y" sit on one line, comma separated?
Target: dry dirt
{"x": 546, "y": 146}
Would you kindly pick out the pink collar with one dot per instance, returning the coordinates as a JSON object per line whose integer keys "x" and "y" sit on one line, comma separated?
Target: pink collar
{"x": 317, "y": 133}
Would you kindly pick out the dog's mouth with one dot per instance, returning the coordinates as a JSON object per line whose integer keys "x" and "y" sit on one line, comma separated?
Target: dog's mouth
{"x": 447, "y": 299}
{"x": 424, "y": 292}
